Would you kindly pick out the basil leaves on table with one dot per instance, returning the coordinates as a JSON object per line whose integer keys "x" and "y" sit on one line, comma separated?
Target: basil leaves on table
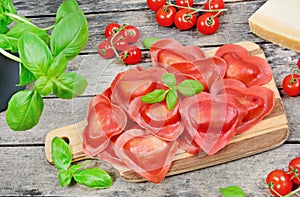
{"x": 232, "y": 191}
{"x": 43, "y": 59}
{"x": 90, "y": 177}
{"x": 187, "y": 88}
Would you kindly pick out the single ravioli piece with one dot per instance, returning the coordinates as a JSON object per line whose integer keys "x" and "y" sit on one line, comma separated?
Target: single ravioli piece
{"x": 278, "y": 21}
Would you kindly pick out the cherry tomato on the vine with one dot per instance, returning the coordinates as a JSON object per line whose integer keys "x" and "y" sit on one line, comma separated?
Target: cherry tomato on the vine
{"x": 279, "y": 182}
{"x": 132, "y": 34}
{"x": 110, "y": 29}
{"x": 214, "y": 5}
{"x": 154, "y": 5}
{"x": 185, "y": 3}
{"x": 131, "y": 55}
{"x": 291, "y": 84}
{"x": 208, "y": 23}
{"x": 294, "y": 169}
{"x": 185, "y": 19}
{"x": 105, "y": 50}
{"x": 120, "y": 41}
{"x": 165, "y": 16}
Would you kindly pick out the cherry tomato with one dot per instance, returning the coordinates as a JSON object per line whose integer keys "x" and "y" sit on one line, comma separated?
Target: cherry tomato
{"x": 120, "y": 41}
{"x": 185, "y": 3}
{"x": 110, "y": 29}
{"x": 291, "y": 84}
{"x": 294, "y": 169}
{"x": 132, "y": 33}
{"x": 298, "y": 63}
{"x": 184, "y": 20}
{"x": 131, "y": 55}
{"x": 154, "y": 5}
{"x": 207, "y": 23}
{"x": 165, "y": 16}
{"x": 214, "y": 5}
{"x": 279, "y": 182}
{"x": 105, "y": 50}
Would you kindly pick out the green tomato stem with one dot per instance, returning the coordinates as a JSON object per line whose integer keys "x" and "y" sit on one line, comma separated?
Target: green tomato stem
{"x": 195, "y": 10}
{"x": 9, "y": 55}
{"x": 112, "y": 44}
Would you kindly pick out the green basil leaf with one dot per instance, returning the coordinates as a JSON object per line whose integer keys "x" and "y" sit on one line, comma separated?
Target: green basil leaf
{"x": 34, "y": 54}
{"x": 19, "y": 29}
{"x": 155, "y": 96}
{"x": 64, "y": 177}
{"x": 61, "y": 154}
{"x": 26, "y": 77}
{"x": 232, "y": 191}
{"x": 171, "y": 99}
{"x": 70, "y": 35}
{"x": 149, "y": 41}
{"x": 5, "y": 43}
{"x": 190, "y": 87}
{"x": 93, "y": 177}
{"x": 69, "y": 85}
{"x": 6, "y": 6}
{"x": 44, "y": 86}
{"x": 58, "y": 66}
{"x": 169, "y": 79}
{"x": 24, "y": 110}
{"x": 74, "y": 168}
{"x": 65, "y": 8}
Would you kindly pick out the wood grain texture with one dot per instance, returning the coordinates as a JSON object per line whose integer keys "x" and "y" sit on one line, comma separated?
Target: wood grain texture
{"x": 269, "y": 133}
{"x": 24, "y": 170}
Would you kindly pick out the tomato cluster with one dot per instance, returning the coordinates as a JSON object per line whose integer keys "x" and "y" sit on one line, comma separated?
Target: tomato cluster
{"x": 291, "y": 83}
{"x": 119, "y": 42}
{"x": 281, "y": 182}
{"x": 184, "y": 16}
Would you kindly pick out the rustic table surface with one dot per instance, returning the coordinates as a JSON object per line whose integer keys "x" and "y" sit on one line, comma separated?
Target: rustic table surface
{"x": 24, "y": 169}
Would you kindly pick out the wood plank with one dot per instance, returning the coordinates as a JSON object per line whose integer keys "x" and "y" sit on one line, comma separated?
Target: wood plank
{"x": 25, "y": 172}
{"x": 269, "y": 133}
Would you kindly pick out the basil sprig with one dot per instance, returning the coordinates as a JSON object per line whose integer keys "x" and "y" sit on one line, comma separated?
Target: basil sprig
{"x": 187, "y": 88}
{"x": 232, "y": 191}
{"x": 90, "y": 177}
{"x": 43, "y": 59}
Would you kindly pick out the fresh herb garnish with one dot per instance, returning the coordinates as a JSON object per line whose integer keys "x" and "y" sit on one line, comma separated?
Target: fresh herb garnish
{"x": 187, "y": 88}
{"x": 43, "y": 59}
{"x": 232, "y": 191}
{"x": 149, "y": 41}
{"x": 90, "y": 177}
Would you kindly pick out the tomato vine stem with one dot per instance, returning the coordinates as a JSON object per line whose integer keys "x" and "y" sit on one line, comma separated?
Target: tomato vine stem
{"x": 195, "y": 10}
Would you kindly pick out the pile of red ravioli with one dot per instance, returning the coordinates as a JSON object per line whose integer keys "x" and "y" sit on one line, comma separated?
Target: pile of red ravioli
{"x": 125, "y": 131}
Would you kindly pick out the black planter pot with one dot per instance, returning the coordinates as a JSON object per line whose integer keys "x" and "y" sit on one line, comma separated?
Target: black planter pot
{"x": 9, "y": 78}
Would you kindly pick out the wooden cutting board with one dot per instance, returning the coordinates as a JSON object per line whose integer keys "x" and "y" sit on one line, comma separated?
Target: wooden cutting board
{"x": 269, "y": 133}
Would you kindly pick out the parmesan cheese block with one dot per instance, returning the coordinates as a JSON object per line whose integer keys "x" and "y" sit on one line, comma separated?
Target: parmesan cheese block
{"x": 278, "y": 21}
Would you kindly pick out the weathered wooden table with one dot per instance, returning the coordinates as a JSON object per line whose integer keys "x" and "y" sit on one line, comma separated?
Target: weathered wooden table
{"x": 23, "y": 166}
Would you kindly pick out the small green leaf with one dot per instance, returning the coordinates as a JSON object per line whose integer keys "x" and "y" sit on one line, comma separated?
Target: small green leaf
{"x": 24, "y": 110}
{"x": 44, "y": 86}
{"x": 58, "y": 66}
{"x": 171, "y": 99}
{"x": 64, "y": 177}
{"x": 169, "y": 79}
{"x": 149, "y": 41}
{"x": 154, "y": 97}
{"x": 69, "y": 85}
{"x": 76, "y": 167}
{"x": 65, "y": 8}
{"x": 34, "y": 54}
{"x": 26, "y": 77}
{"x": 70, "y": 35}
{"x": 190, "y": 87}
{"x": 93, "y": 177}
{"x": 61, "y": 154}
{"x": 232, "y": 191}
